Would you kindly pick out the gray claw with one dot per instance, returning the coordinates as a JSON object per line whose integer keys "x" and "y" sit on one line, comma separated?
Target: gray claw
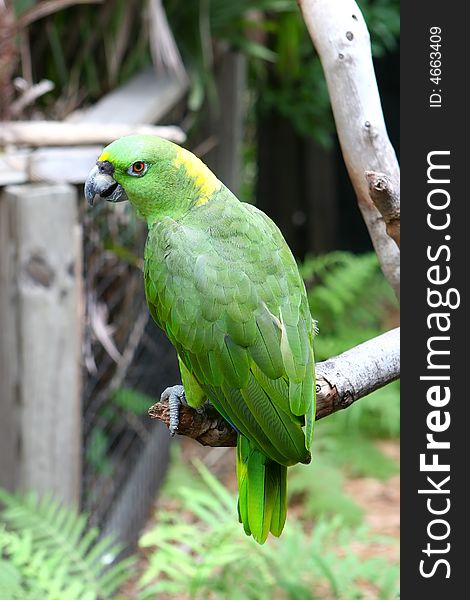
{"x": 175, "y": 396}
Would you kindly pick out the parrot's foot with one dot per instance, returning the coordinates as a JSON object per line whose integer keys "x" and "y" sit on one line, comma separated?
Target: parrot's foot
{"x": 175, "y": 396}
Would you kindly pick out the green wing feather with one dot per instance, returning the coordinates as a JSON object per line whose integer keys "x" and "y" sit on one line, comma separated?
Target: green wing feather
{"x": 224, "y": 286}
{"x": 262, "y": 485}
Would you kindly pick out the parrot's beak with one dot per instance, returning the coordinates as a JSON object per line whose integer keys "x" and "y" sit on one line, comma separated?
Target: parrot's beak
{"x": 100, "y": 183}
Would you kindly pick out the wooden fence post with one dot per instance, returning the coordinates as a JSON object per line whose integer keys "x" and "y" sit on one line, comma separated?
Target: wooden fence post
{"x": 40, "y": 339}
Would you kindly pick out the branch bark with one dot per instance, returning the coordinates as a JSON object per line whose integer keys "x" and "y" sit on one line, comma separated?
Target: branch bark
{"x": 387, "y": 200}
{"x": 340, "y": 382}
{"x": 340, "y": 36}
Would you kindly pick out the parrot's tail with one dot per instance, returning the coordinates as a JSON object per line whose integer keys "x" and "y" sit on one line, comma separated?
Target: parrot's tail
{"x": 262, "y": 489}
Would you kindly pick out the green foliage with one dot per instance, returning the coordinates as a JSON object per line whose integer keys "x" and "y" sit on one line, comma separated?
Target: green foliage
{"x": 296, "y": 87}
{"x": 132, "y": 401}
{"x": 199, "y": 549}
{"x": 124, "y": 403}
{"x": 20, "y": 6}
{"x": 198, "y": 26}
{"x": 47, "y": 553}
{"x": 344, "y": 446}
{"x": 96, "y": 452}
{"x": 303, "y": 100}
{"x": 318, "y": 489}
{"x": 106, "y": 45}
{"x": 383, "y": 20}
{"x": 349, "y": 298}
{"x": 376, "y": 416}
{"x": 286, "y": 74}
{"x": 352, "y": 302}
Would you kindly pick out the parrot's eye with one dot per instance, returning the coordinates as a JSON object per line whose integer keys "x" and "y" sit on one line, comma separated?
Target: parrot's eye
{"x": 137, "y": 168}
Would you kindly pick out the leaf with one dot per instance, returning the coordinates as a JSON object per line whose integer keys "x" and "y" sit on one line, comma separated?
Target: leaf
{"x": 132, "y": 400}
{"x": 47, "y": 545}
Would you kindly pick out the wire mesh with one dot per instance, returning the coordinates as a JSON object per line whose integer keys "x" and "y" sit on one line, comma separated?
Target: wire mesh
{"x": 127, "y": 363}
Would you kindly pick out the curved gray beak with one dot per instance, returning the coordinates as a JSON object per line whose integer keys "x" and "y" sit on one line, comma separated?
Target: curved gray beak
{"x": 102, "y": 185}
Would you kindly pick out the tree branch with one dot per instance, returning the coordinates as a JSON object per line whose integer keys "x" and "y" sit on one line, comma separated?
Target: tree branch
{"x": 340, "y": 36}
{"x": 340, "y": 382}
{"x": 387, "y": 200}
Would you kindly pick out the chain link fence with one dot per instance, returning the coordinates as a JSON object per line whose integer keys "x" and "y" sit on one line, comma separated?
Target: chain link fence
{"x": 127, "y": 363}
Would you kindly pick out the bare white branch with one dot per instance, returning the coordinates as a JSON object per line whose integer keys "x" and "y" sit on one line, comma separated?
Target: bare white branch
{"x": 341, "y": 38}
{"x": 358, "y": 372}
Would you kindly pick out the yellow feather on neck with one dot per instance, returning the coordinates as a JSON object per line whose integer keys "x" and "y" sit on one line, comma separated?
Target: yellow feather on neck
{"x": 104, "y": 156}
{"x": 203, "y": 178}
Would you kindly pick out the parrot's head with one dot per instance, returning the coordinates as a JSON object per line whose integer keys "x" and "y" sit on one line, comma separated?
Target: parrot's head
{"x": 158, "y": 177}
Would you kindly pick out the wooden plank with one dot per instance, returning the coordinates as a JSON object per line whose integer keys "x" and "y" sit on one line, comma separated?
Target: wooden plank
{"x": 61, "y": 165}
{"x": 60, "y": 133}
{"x": 9, "y": 430}
{"x": 14, "y": 167}
{"x": 145, "y": 98}
{"x": 47, "y": 241}
{"x": 65, "y": 165}
{"x": 68, "y": 164}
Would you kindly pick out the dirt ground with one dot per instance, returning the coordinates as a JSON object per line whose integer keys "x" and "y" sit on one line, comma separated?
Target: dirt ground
{"x": 379, "y": 499}
{"x": 381, "y": 503}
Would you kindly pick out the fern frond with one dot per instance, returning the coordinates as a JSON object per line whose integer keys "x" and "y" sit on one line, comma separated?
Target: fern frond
{"x": 57, "y": 537}
{"x": 349, "y": 297}
{"x": 199, "y": 550}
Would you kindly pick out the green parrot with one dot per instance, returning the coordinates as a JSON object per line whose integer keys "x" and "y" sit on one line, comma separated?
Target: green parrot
{"x": 223, "y": 285}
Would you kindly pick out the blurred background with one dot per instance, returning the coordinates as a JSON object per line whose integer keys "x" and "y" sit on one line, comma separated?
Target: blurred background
{"x": 81, "y": 362}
